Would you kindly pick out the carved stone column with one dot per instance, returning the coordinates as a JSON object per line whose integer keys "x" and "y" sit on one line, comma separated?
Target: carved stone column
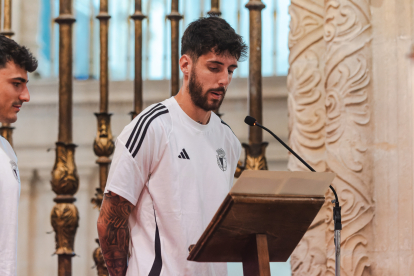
{"x": 6, "y": 130}
{"x": 175, "y": 18}
{"x": 255, "y": 150}
{"x": 306, "y": 103}
{"x": 138, "y": 17}
{"x": 103, "y": 145}
{"x": 65, "y": 180}
{"x": 348, "y": 72}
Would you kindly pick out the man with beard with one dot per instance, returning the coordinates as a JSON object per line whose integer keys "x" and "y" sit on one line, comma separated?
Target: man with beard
{"x": 174, "y": 164}
{"x": 15, "y": 62}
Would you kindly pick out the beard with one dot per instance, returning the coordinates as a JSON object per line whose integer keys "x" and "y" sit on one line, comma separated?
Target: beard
{"x": 199, "y": 97}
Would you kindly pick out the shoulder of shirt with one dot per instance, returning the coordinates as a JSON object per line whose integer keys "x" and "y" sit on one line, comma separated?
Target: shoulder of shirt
{"x": 155, "y": 117}
{"x": 7, "y": 148}
{"x": 226, "y": 127}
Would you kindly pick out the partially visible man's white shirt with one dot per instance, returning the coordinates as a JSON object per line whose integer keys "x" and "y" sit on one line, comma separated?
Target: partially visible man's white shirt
{"x": 9, "y": 202}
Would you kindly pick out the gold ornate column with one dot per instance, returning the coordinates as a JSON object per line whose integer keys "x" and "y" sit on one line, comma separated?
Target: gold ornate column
{"x": 138, "y": 17}
{"x": 103, "y": 145}
{"x": 215, "y": 8}
{"x": 255, "y": 150}
{"x": 175, "y": 17}
{"x": 348, "y": 87}
{"x": 6, "y": 130}
{"x": 65, "y": 180}
{"x": 306, "y": 104}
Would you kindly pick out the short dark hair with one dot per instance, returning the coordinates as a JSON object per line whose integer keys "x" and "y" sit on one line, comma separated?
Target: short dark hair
{"x": 20, "y": 55}
{"x": 212, "y": 34}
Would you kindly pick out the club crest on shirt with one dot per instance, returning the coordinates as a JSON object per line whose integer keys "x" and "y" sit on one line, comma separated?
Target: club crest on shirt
{"x": 221, "y": 159}
{"x": 15, "y": 170}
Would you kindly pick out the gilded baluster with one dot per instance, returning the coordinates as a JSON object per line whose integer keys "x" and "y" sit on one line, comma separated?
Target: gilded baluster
{"x": 215, "y": 8}
{"x": 215, "y": 11}
{"x": 138, "y": 16}
{"x": 255, "y": 150}
{"x": 65, "y": 180}
{"x": 103, "y": 145}
{"x": 174, "y": 17}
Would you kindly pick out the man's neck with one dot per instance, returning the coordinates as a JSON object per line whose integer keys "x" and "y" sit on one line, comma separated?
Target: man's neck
{"x": 196, "y": 113}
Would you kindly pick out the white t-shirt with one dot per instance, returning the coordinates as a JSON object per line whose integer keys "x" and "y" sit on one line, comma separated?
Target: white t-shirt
{"x": 176, "y": 172}
{"x": 9, "y": 202}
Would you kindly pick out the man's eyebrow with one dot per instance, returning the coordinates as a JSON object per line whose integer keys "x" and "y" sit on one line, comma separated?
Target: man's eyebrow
{"x": 22, "y": 80}
{"x": 218, "y": 62}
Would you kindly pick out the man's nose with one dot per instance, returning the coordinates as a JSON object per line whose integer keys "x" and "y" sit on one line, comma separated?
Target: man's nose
{"x": 25, "y": 95}
{"x": 224, "y": 79}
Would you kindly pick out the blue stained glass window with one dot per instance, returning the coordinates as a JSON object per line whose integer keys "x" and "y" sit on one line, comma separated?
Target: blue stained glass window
{"x": 82, "y": 39}
{"x": 156, "y": 36}
{"x": 45, "y": 38}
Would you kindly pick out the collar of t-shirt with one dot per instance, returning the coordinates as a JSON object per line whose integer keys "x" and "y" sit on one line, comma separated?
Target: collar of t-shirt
{"x": 188, "y": 121}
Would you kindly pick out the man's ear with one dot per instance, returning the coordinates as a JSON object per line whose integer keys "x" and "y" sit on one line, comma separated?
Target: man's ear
{"x": 185, "y": 64}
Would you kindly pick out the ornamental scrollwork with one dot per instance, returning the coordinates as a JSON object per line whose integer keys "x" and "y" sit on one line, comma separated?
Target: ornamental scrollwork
{"x": 103, "y": 144}
{"x": 348, "y": 130}
{"x": 65, "y": 179}
{"x": 65, "y": 221}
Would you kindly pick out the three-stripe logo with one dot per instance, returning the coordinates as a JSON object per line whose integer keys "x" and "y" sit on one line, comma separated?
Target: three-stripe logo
{"x": 141, "y": 127}
{"x": 184, "y": 155}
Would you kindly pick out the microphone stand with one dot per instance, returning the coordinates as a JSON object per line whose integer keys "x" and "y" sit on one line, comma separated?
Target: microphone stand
{"x": 336, "y": 209}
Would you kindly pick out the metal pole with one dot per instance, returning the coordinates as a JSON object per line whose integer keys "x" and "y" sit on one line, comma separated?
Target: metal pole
{"x": 103, "y": 145}
{"x": 337, "y": 252}
{"x": 255, "y": 150}
{"x": 6, "y": 130}
{"x": 138, "y": 17}
{"x": 215, "y": 11}
{"x": 65, "y": 180}
{"x": 174, "y": 17}
{"x": 7, "y": 31}
{"x": 215, "y": 8}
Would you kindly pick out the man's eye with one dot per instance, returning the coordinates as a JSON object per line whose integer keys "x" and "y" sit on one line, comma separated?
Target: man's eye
{"x": 16, "y": 84}
{"x": 213, "y": 68}
{"x": 230, "y": 72}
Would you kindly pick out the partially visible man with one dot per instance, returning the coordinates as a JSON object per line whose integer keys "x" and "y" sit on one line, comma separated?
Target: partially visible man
{"x": 174, "y": 164}
{"x": 15, "y": 62}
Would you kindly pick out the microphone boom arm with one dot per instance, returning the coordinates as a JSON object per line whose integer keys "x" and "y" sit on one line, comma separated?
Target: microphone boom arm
{"x": 336, "y": 209}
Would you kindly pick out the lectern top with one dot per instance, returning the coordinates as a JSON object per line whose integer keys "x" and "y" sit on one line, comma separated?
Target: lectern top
{"x": 283, "y": 183}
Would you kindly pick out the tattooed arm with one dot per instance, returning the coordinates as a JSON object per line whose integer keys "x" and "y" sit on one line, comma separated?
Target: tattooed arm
{"x": 113, "y": 232}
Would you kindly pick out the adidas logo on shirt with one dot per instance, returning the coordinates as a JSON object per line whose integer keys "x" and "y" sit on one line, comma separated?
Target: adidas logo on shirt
{"x": 184, "y": 155}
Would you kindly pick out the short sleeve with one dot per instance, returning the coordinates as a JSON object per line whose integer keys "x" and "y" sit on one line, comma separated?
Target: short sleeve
{"x": 138, "y": 151}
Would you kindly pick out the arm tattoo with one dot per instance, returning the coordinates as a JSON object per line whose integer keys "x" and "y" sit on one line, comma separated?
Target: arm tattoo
{"x": 113, "y": 232}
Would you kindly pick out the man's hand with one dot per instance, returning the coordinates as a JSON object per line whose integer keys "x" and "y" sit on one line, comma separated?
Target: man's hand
{"x": 113, "y": 232}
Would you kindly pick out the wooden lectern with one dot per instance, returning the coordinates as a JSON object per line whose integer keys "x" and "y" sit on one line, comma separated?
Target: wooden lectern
{"x": 262, "y": 219}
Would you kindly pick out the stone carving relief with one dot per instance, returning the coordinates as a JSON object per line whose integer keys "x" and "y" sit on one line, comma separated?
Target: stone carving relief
{"x": 347, "y": 32}
{"x": 307, "y": 116}
{"x": 306, "y": 93}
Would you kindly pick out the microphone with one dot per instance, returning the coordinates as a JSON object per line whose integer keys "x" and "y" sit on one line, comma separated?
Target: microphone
{"x": 252, "y": 122}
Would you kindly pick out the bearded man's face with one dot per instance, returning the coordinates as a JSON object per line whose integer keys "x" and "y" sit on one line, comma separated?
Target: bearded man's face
{"x": 209, "y": 79}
